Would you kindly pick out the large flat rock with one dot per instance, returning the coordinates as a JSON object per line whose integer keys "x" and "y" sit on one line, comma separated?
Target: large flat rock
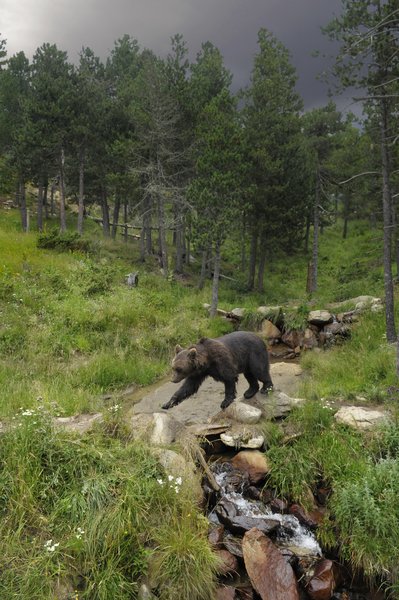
{"x": 205, "y": 404}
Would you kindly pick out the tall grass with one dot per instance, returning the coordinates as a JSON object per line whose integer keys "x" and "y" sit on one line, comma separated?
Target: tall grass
{"x": 94, "y": 513}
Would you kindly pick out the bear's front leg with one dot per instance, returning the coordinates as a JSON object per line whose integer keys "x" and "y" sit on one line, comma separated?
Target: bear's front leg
{"x": 229, "y": 393}
{"x": 189, "y": 387}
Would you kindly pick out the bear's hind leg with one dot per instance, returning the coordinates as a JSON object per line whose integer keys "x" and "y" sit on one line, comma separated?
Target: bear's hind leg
{"x": 253, "y": 385}
{"x": 267, "y": 387}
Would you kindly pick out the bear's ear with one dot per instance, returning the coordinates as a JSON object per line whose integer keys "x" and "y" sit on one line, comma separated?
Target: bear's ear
{"x": 178, "y": 349}
{"x": 192, "y": 353}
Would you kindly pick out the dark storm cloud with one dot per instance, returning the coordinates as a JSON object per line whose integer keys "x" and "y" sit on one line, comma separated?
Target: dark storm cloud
{"x": 232, "y": 25}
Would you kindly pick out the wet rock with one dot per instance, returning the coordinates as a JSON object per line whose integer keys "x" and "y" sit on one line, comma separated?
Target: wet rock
{"x": 311, "y": 519}
{"x": 360, "y": 418}
{"x": 278, "y": 505}
{"x": 320, "y": 317}
{"x": 229, "y": 514}
{"x": 215, "y": 535}
{"x": 228, "y": 563}
{"x": 230, "y": 479}
{"x": 243, "y": 413}
{"x": 233, "y": 544}
{"x": 252, "y": 462}
{"x": 245, "y": 593}
{"x": 226, "y": 592}
{"x": 270, "y": 575}
{"x": 321, "y": 585}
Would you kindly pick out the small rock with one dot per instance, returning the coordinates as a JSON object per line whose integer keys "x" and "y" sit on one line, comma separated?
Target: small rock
{"x": 238, "y": 312}
{"x": 243, "y": 413}
{"x": 228, "y": 563}
{"x": 360, "y": 418}
{"x": 238, "y": 439}
{"x": 269, "y": 330}
{"x": 252, "y": 462}
{"x": 226, "y": 592}
{"x": 320, "y": 317}
{"x": 322, "y": 583}
{"x": 160, "y": 429}
{"x": 78, "y": 423}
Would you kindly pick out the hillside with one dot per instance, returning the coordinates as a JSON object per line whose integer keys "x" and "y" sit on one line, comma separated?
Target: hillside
{"x": 86, "y": 518}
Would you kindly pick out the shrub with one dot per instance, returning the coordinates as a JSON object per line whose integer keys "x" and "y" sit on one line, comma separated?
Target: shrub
{"x": 63, "y": 241}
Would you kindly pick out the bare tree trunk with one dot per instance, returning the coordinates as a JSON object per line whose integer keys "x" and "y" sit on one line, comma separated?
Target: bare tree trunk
{"x": 105, "y": 212}
{"x": 125, "y": 219}
{"x": 40, "y": 206}
{"x": 204, "y": 268}
{"x": 307, "y": 232}
{"x": 147, "y": 220}
{"x": 22, "y": 205}
{"x": 52, "y": 191}
{"x": 163, "y": 250}
{"x": 179, "y": 243}
{"x": 117, "y": 207}
{"x": 262, "y": 263}
{"x": 62, "y": 192}
{"x": 316, "y": 223}
{"x": 45, "y": 199}
{"x": 215, "y": 282}
{"x": 81, "y": 192}
{"x": 346, "y": 216}
{"x": 243, "y": 245}
{"x": 252, "y": 258}
{"x": 387, "y": 216}
{"x": 188, "y": 244}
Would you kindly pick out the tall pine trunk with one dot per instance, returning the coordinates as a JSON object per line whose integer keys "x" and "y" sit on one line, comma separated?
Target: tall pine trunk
{"x": 387, "y": 218}
{"x": 62, "y": 192}
{"x": 22, "y": 206}
{"x": 115, "y": 218}
{"x": 105, "y": 212}
{"x": 81, "y": 192}
{"x": 40, "y": 206}
{"x": 163, "y": 250}
{"x": 262, "y": 263}
{"x": 215, "y": 281}
{"x": 252, "y": 258}
{"x": 316, "y": 226}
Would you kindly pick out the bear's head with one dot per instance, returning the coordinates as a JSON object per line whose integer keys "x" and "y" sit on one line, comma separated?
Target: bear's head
{"x": 185, "y": 363}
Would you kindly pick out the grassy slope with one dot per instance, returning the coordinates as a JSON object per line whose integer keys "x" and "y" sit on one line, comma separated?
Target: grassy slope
{"x": 71, "y": 330}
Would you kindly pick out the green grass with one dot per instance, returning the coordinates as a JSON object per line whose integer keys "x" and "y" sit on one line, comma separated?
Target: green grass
{"x": 92, "y": 513}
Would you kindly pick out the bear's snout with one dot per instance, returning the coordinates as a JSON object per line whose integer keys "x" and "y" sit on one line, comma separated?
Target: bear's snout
{"x": 176, "y": 377}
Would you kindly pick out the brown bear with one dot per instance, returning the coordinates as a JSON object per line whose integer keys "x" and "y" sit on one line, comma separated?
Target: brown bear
{"x": 223, "y": 359}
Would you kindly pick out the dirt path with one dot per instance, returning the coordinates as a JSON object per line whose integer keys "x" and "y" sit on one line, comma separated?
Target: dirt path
{"x": 206, "y": 402}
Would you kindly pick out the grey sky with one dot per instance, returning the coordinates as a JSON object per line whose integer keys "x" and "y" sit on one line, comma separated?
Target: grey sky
{"x": 232, "y": 25}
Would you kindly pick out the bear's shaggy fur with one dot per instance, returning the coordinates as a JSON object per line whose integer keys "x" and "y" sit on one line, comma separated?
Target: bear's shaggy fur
{"x": 223, "y": 359}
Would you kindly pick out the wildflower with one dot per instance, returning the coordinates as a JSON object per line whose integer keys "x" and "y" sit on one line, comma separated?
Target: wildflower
{"x": 170, "y": 478}
{"x": 79, "y": 533}
{"x": 160, "y": 481}
{"x": 178, "y": 480}
{"x": 50, "y": 547}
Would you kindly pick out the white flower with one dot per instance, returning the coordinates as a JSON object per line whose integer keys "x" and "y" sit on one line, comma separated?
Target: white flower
{"x": 176, "y": 489}
{"x": 170, "y": 478}
{"x": 160, "y": 481}
{"x": 50, "y": 547}
{"x": 178, "y": 480}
